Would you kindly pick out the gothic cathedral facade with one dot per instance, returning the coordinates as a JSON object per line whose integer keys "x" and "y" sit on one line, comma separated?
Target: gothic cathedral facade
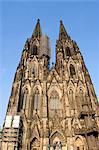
{"x": 51, "y": 108}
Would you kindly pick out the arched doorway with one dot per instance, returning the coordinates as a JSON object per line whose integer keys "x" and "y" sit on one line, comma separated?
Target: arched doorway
{"x": 79, "y": 145}
{"x": 35, "y": 144}
{"x": 57, "y": 141}
{"x": 57, "y": 144}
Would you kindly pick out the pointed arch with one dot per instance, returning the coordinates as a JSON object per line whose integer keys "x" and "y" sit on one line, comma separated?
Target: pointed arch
{"x": 35, "y": 144}
{"x": 36, "y": 122}
{"x": 53, "y": 73}
{"x": 36, "y": 99}
{"x": 79, "y": 144}
{"x": 71, "y": 85}
{"x": 57, "y": 89}
{"x": 57, "y": 139}
{"x": 35, "y": 130}
{"x": 27, "y": 87}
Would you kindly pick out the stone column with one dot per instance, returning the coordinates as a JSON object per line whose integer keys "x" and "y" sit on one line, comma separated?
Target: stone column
{"x": 44, "y": 103}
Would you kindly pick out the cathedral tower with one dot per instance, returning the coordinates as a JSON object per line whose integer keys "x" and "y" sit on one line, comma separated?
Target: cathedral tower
{"x": 55, "y": 108}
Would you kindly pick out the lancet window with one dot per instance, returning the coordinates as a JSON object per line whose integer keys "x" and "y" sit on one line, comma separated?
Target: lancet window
{"x": 23, "y": 100}
{"x": 26, "y": 97}
{"x": 68, "y": 52}
{"x": 34, "y": 50}
{"x": 37, "y": 100}
{"x": 72, "y": 70}
{"x": 20, "y": 103}
{"x": 34, "y": 70}
{"x": 71, "y": 99}
{"x": 55, "y": 103}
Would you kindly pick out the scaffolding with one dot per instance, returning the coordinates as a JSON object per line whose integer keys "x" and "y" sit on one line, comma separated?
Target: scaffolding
{"x": 45, "y": 47}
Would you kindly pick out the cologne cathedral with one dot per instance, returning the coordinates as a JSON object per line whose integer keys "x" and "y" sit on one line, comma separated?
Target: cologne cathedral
{"x": 51, "y": 108}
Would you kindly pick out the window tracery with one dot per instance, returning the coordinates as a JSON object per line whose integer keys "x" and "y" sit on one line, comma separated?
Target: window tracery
{"x": 55, "y": 106}
{"x": 54, "y": 101}
{"x": 56, "y": 141}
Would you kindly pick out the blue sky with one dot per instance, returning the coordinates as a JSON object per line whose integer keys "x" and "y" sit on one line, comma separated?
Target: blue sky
{"x": 17, "y": 21}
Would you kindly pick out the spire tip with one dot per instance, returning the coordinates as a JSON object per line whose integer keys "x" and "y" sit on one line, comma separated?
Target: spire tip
{"x": 61, "y": 22}
{"x": 38, "y": 20}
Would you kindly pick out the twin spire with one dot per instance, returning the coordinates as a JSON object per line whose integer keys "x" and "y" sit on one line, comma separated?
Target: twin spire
{"x": 62, "y": 31}
{"x": 37, "y": 31}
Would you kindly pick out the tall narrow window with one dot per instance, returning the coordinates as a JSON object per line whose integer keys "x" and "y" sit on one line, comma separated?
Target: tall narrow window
{"x": 81, "y": 95}
{"x": 20, "y": 103}
{"x": 34, "y": 50}
{"x": 72, "y": 70}
{"x": 26, "y": 99}
{"x": 34, "y": 71}
{"x": 71, "y": 98}
{"x": 37, "y": 100}
{"x": 68, "y": 52}
{"x": 55, "y": 103}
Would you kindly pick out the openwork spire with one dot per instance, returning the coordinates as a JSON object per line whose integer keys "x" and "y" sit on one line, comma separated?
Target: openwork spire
{"x": 37, "y": 31}
{"x": 62, "y": 32}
